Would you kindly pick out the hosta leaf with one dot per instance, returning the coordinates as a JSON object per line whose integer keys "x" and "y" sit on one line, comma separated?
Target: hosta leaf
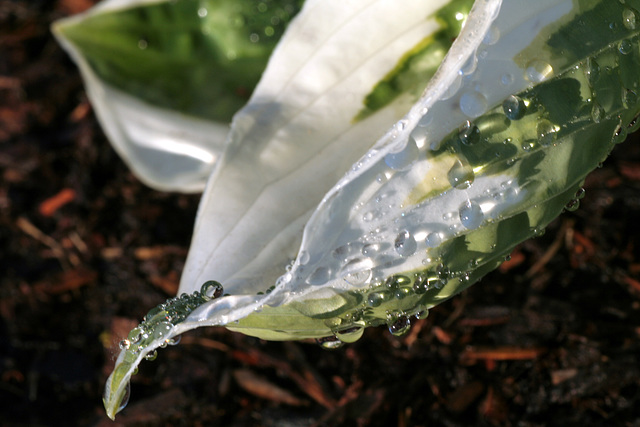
{"x": 165, "y": 77}
{"x": 494, "y": 149}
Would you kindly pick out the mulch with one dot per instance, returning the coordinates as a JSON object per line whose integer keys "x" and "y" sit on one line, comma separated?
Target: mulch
{"x": 550, "y": 338}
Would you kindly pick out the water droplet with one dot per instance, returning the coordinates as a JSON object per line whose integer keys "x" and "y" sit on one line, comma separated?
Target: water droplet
{"x": 375, "y": 299}
{"x": 254, "y": 38}
{"x": 492, "y": 36}
{"x": 404, "y": 158}
{"x": 460, "y": 175}
{"x": 625, "y": 47}
{"x": 572, "y": 205}
{"x": 381, "y": 178}
{"x": 400, "y": 326}
{"x": 629, "y": 19}
{"x": 151, "y": 356}
{"x": 319, "y": 276}
{"x": 350, "y": 335}
{"x": 537, "y": 71}
{"x": 161, "y": 330}
{"x": 580, "y": 194}
{"x": 597, "y": 113}
{"x": 629, "y": 98}
{"x": 126, "y": 394}
{"x": 434, "y": 239}
{"x": 203, "y": 12}
{"x": 211, "y": 290}
{"x": 405, "y": 244}
{"x": 514, "y": 107}
{"x": 469, "y": 133}
{"x": 469, "y": 66}
{"x": 471, "y": 215}
{"x": 357, "y": 272}
{"x": 124, "y": 344}
{"x": 371, "y": 249}
{"x": 592, "y": 71}
{"x": 344, "y": 252}
{"x": 473, "y": 104}
{"x": 452, "y": 89}
{"x": 506, "y": 79}
{"x": 330, "y": 343}
{"x": 547, "y": 135}
{"x": 303, "y": 257}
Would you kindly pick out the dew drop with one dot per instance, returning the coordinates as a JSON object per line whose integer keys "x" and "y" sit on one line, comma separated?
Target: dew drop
{"x": 405, "y": 244}
{"x": 211, "y": 290}
{"x": 357, "y": 272}
{"x": 473, "y": 103}
{"x": 303, "y": 257}
{"x": 350, "y": 335}
{"x": 161, "y": 330}
{"x": 460, "y": 175}
{"x": 125, "y": 397}
{"x": 592, "y": 71}
{"x": 492, "y": 36}
{"x": 468, "y": 133}
{"x": 203, "y": 12}
{"x": 152, "y": 355}
{"x": 537, "y": 71}
{"x": 330, "y": 343}
{"x": 580, "y": 194}
{"x": 469, "y": 66}
{"x": 629, "y": 19}
{"x": 572, "y": 205}
{"x": 514, "y": 107}
{"x": 629, "y": 98}
{"x": 597, "y": 113}
{"x": 471, "y": 215}
{"x": 506, "y": 79}
{"x": 371, "y": 249}
{"x": 375, "y": 299}
{"x": 546, "y": 131}
{"x": 400, "y": 326}
{"x": 319, "y": 276}
{"x": 625, "y": 47}
{"x": 434, "y": 239}
{"x": 404, "y": 158}
{"x": 124, "y": 344}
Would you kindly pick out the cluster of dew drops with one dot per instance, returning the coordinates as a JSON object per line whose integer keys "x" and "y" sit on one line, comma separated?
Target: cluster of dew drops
{"x": 160, "y": 320}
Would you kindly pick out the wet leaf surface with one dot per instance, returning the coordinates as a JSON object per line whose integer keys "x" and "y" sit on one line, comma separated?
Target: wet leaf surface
{"x": 552, "y": 338}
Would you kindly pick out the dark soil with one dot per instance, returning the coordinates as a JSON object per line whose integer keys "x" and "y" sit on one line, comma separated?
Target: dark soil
{"x": 552, "y": 338}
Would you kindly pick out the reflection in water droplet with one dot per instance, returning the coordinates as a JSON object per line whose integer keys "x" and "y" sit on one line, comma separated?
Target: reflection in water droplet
{"x": 473, "y": 104}
{"x": 537, "y": 71}
{"x": 514, "y": 107}
{"x": 471, "y": 215}
{"x": 405, "y": 244}
{"x": 460, "y": 175}
{"x": 400, "y": 326}
{"x": 211, "y": 289}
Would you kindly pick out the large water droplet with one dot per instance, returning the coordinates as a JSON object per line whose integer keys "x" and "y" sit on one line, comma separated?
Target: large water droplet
{"x": 403, "y": 159}
{"x": 319, "y": 276}
{"x": 405, "y": 244}
{"x": 473, "y": 104}
{"x": 125, "y": 397}
{"x": 374, "y": 299}
{"x": 351, "y": 334}
{"x": 625, "y": 47}
{"x": 471, "y": 215}
{"x": 330, "y": 343}
{"x": 592, "y": 71}
{"x": 151, "y": 356}
{"x": 400, "y": 326}
{"x": 537, "y": 71}
{"x": 357, "y": 272}
{"x": 211, "y": 289}
{"x": 514, "y": 107}
{"x": 460, "y": 175}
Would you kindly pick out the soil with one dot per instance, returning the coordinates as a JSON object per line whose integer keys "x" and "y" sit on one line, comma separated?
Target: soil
{"x": 551, "y": 338}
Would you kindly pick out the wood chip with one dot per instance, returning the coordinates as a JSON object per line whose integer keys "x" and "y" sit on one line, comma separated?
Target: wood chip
{"x": 263, "y": 388}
